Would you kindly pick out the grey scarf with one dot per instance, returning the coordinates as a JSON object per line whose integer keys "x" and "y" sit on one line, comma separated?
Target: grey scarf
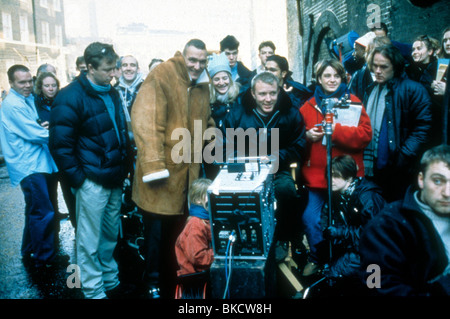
{"x": 375, "y": 107}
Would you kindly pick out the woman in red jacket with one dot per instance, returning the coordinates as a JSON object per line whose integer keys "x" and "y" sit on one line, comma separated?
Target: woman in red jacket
{"x": 351, "y": 140}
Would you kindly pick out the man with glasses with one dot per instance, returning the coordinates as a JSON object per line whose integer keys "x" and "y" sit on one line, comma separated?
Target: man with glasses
{"x": 89, "y": 142}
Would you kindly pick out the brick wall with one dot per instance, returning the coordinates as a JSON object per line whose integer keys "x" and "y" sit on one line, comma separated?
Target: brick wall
{"x": 322, "y": 20}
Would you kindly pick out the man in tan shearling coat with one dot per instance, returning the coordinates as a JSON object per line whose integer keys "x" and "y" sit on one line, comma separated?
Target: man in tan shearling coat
{"x": 173, "y": 96}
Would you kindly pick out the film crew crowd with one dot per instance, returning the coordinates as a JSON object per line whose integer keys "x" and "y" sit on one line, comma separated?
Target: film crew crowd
{"x": 390, "y": 172}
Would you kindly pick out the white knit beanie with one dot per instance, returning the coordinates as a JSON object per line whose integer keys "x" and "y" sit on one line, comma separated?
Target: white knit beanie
{"x": 218, "y": 63}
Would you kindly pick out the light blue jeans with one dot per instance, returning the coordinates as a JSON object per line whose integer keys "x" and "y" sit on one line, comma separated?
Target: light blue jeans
{"x": 98, "y": 218}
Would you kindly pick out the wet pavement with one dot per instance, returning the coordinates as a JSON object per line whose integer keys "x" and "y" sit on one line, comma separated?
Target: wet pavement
{"x": 17, "y": 281}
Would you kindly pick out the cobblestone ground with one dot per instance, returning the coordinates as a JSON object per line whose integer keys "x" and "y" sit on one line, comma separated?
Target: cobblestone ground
{"x": 16, "y": 280}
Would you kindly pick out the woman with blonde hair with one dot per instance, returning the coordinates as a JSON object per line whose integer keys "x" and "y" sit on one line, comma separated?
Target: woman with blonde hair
{"x": 224, "y": 96}
{"x": 223, "y": 90}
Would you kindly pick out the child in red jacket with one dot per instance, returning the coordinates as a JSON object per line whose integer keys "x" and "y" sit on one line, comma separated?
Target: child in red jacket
{"x": 193, "y": 246}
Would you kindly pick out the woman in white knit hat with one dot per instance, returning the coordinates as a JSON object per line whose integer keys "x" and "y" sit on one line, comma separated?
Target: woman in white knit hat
{"x": 224, "y": 93}
{"x": 223, "y": 90}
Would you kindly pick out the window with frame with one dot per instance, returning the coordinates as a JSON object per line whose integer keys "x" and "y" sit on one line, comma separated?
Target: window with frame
{"x": 57, "y": 5}
{"x": 58, "y": 35}
{"x": 7, "y": 26}
{"x": 45, "y": 32}
{"x": 24, "y": 32}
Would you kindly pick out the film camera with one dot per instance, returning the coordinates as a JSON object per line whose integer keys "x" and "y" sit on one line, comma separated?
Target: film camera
{"x": 342, "y": 111}
{"x": 242, "y": 204}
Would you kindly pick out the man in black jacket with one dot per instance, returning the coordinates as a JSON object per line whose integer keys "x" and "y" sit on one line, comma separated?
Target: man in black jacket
{"x": 298, "y": 93}
{"x": 400, "y": 114}
{"x": 88, "y": 140}
{"x": 405, "y": 250}
{"x": 268, "y": 110}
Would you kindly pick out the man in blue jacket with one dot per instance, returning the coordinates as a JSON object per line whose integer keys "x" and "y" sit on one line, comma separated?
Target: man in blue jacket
{"x": 25, "y": 148}
{"x": 88, "y": 139}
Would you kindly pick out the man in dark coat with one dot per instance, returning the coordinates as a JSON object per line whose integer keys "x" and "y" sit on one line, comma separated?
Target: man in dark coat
{"x": 400, "y": 114}
{"x": 409, "y": 241}
{"x": 89, "y": 142}
{"x": 268, "y": 110}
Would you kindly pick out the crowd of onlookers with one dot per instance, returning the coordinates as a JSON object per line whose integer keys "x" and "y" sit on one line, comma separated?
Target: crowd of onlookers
{"x": 384, "y": 199}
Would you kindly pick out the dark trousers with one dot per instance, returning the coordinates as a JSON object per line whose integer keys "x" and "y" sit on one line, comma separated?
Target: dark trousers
{"x": 160, "y": 235}
{"x": 288, "y": 207}
{"x": 69, "y": 197}
{"x": 39, "y": 228}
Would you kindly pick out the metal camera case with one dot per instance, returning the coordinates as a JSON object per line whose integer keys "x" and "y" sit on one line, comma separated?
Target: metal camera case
{"x": 242, "y": 201}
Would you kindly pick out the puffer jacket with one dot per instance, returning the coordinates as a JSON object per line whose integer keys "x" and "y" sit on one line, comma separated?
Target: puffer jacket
{"x": 83, "y": 141}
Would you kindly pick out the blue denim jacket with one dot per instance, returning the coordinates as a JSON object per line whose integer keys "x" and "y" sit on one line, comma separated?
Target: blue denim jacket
{"x": 24, "y": 142}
